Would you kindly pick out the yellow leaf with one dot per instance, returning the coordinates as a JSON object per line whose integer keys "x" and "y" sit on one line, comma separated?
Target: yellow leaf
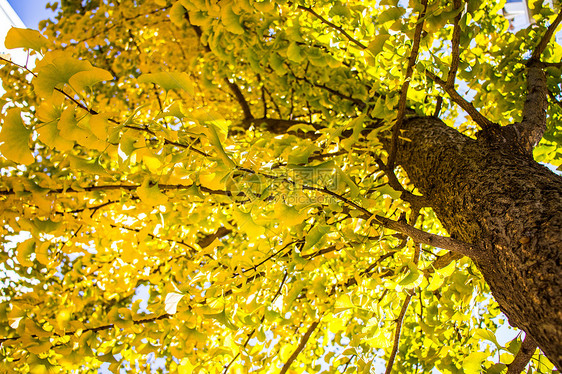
{"x": 151, "y": 195}
{"x": 247, "y": 224}
{"x": 25, "y": 249}
{"x": 26, "y": 38}
{"x": 185, "y": 366}
{"x": 15, "y": 138}
{"x": 169, "y": 81}
{"x": 86, "y": 79}
{"x": 54, "y": 70}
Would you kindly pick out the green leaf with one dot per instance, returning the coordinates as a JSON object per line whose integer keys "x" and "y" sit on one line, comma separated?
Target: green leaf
{"x": 231, "y": 20}
{"x": 294, "y": 53}
{"x": 169, "y": 81}
{"x": 222, "y": 318}
{"x": 413, "y": 278}
{"x": 26, "y": 38}
{"x": 487, "y": 335}
{"x": 472, "y": 364}
{"x": 376, "y": 45}
{"x": 14, "y": 137}
{"x": 315, "y": 235}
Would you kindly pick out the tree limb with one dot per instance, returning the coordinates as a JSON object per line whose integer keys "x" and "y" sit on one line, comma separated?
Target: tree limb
{"x": 416, "y": 200}
{"x": 526, "y": 351}
{"x": 300, "y": 347}
{"x": 233, "y": 87}
{"x": 400, "y": 319}
{"x": 404, "y": 90}
{"x": 482, "y": 121}
{"x": 455, "y": 54}
{"x": 449, "y": 243}
{"x": 546, "y": 37}
{"x": 334, "y": 26}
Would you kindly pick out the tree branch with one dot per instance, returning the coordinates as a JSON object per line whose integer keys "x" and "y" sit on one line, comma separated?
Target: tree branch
{"x": 397, "y": 332}
{"x": 455, "y": 54}
{"x": 420, "y": 236}
{"x": 546, "y": 38}
{"x": 233, "y": 87}
{"x": 533, "y": 125}
{"x": 404, "y": 90}
{"x": 482, "y": 121}
{"x": 94, "y": 329}
{"x": 531, "y": 129}
{"x": 400, "y": 319}
{"x": 334, "y": 26}
{"x": 300, "y": 347}
{"x": 415, "y": 200}
{"x": 526, "y": 351}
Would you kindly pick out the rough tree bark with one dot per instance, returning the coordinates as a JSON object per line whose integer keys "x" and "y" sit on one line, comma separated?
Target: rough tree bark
{"x": 489, "y": 192}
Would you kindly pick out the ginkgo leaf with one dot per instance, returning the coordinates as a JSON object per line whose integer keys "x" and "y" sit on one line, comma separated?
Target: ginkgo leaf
{"x": 84, "y": 80}
{"x": 26, "y": 38}
{"x": 54, "y": 70}
{"x": 294, "y": 53}
{"x": 169, "y": 81}
{"x": 25, "y": 250}
{"x": 231, "y": 20}
{"x": 315, "y": 235}
{"x": 171, "y": 302}
{"x": 14, "y": 137}
{"x": 151, "y": 194}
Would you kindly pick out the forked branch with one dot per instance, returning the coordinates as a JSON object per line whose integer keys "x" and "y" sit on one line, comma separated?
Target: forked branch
{"x": 482, "y": 121}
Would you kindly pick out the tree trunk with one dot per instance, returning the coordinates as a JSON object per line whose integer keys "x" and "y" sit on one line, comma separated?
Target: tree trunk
{"x": 492, "y": 194}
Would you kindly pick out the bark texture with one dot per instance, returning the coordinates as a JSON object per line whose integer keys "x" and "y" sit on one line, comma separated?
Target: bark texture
{"x": 490, "y": 193}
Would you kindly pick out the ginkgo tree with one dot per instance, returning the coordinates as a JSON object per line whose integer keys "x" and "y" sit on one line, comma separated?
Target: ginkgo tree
{"x": 282, "y": 186}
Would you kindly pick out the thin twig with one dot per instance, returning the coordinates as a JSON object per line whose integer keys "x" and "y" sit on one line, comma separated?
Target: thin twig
{"x": 300, "y": 347}
{"x": 93, "y": 329}
{"x": 334, "y": 26}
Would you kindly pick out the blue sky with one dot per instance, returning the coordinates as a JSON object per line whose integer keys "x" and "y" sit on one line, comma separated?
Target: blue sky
{"x": 32, "y": 11}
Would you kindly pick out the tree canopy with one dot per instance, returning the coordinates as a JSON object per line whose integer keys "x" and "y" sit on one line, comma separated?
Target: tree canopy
{"x": 212, "y": 187}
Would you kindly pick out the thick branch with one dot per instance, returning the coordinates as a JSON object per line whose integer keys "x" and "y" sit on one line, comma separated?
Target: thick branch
{"x": 546, "y": 38}
{"x": 533, "y": 125}
{"x": 528, "y": 348}
{"x": 300, "y": 347}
